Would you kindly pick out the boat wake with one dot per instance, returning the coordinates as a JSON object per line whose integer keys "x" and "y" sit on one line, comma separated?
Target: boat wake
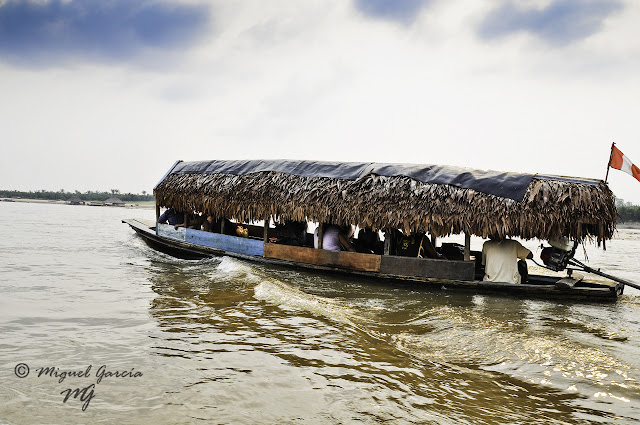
{"x": 230, "y": 269}
{"x": 464, "y": 338}
{"x": 558, "y": 358}
{"x": 289, "y": 297}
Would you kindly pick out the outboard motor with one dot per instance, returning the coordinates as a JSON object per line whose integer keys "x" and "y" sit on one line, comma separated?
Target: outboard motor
{"x": 557, "y": 256}
{"x": 560, "y": 255}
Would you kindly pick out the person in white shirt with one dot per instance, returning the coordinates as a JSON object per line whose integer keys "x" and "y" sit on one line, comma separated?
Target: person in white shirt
{"x": 334, "y": 238}
{"x": 500, "y": 258}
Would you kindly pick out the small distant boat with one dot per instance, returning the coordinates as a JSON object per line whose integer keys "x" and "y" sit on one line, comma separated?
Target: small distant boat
{"x": 440, "y": 200}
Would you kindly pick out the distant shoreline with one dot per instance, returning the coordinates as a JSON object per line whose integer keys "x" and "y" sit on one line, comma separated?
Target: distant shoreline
{"x": 629, "y": 225}
{"x": 141, "y": 204}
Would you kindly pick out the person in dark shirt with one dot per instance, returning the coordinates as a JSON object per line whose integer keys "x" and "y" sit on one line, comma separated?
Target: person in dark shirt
{"x": 416, "y": 245}
{"x": 172, "y": 216}
{"x": 290, "y": 233}
{"x": 368, "y": 242}
{"x": 198, "y": 222}
{"x": 208, "y": 223}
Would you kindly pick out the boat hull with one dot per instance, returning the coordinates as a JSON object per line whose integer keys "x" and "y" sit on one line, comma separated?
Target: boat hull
{"x": 438, "y": 274}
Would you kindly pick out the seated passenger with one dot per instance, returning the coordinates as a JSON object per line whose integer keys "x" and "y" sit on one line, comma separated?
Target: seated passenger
{"x": 290, "y": 233}
{"x": 417, "y": 245}
{"x": 500, "y": 258}
{"x": 172, "y": 216}
{"x": 195, "y": 222}
{"x": 410, "y": 245}
{"x": 368, "y": 242}
{"x": 334, "y": 238}
{"x": 207, "y": 224}
{"x": 430, "y": 250}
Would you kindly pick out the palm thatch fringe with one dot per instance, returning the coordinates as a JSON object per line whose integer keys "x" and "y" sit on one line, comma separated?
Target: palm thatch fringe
{"x": 550, "y": 208}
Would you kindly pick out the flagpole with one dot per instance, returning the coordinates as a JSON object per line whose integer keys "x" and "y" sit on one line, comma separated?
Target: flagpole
{"x": 609, "y": 163}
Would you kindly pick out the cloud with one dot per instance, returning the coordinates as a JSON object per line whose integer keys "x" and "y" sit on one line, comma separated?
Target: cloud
{"x": 395, "y": 10}
{"x": 561, "y": 22}
{"x": 36, "y": 33}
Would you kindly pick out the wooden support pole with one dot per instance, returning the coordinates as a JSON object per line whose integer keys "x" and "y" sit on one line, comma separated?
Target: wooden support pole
{"x": 609, "y": 163}
{"x": 388, "y": 240}
{"x": 157, "y": 215}
{"x": 320, "y": 235}
{"x": 265, "y": 236}
{"x": 434, "y": 239}
{"x": 222, "y": 220}
{"x": 467, "y": 246}
{"x": 579, "y": 231}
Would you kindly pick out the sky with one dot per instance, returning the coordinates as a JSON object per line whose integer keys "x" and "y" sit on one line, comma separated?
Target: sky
{"x": 108, "y": 94}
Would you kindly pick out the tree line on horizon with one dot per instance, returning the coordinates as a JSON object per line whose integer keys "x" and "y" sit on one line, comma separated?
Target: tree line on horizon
{"x": 629, "y": 213}
{"x": 87, "y": 196}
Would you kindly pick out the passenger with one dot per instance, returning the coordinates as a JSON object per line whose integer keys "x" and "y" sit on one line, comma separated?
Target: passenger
{"x": 500, "y": 258}
{"x": 430, "y": 250}
{"x": 334, "y": 238}
{"x": 207, "y": 224}
{"x": 409, "y": 245}
{"x": 172, "y": 216}
{"x": 417, "y": 245}
{"x": 290, "y": 233}
{"x": 195, "y": 222}
{"x": 346, "y": 236}
{"x": 368, "y": 242}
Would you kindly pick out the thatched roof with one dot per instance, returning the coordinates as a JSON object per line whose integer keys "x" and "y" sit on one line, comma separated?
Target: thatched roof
{"x": 114, "y": 201}
{"x": 551, "y": 206}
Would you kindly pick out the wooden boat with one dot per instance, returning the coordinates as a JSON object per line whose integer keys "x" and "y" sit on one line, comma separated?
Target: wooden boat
{"x": 438, "y": 199}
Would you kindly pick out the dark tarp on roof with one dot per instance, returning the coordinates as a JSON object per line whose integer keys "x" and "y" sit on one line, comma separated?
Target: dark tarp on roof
{"x": 502, "y": 184}
{"x": 438, "y": 199}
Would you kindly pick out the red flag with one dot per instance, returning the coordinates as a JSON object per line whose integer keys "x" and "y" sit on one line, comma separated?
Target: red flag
{"x": 621, "y": 162}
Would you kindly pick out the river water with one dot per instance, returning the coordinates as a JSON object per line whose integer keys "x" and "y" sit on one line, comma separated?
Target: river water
{"x": 156, "y": 340}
